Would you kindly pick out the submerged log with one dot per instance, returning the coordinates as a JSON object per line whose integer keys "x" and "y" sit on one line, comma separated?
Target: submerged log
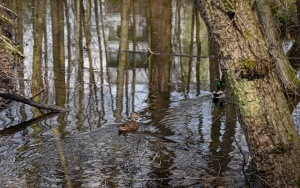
{"x": 19, "y": 98}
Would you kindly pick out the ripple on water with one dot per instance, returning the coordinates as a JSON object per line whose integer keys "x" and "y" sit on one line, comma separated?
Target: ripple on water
{"x": 185, "y": 142}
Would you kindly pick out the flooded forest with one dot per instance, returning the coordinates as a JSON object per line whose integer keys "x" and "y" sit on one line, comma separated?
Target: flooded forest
{"x": 103, "y": 60}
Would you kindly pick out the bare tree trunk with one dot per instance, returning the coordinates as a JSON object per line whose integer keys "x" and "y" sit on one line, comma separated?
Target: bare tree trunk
{"x": 57, "y": 15}
{"x": 160, "y": 30}
{"x": 122, "y": 56}
{"x": 57, "y": 23}
{"x": 39, "y": 14}
{"x": 251, "y": 71}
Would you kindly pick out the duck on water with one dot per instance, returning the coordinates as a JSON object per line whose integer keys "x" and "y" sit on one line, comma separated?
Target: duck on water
{"x": 218, "y": 96}
{"x": 131, "y": 124}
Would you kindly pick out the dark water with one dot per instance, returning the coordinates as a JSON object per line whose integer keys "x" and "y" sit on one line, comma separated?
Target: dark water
{"x": 182, "y": 141}
{"x": 185, "y": 145}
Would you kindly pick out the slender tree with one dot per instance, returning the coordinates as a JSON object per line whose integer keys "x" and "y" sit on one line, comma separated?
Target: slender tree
{"x": 39, "y": 15}
{"x": 122, "y": 56}
{"x": 57, "y": 23}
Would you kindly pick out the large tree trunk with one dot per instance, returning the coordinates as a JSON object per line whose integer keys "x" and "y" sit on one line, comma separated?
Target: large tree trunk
{"x": 283, "y": 68}
{"x": 251, "y": 71}
{"x": 160, "y": 24}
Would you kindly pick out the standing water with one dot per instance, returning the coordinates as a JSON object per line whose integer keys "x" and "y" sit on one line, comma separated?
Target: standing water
{"x": 73, "y": 60}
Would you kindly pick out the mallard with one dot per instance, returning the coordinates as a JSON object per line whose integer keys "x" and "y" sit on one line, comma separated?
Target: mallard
{"x": 130, "y": 125}
{"x": 218, "y": 94}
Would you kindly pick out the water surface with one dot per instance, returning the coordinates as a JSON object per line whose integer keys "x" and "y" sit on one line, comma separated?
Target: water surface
{"x": 184, "y": 140}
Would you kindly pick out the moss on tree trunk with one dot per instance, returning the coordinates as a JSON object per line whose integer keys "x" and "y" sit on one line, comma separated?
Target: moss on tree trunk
{"x": 252, "y": 73}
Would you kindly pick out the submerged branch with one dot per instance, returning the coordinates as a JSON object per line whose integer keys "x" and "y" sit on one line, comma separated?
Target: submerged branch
{"x": 19, "y": 127}
{"x": 19, "y": 98}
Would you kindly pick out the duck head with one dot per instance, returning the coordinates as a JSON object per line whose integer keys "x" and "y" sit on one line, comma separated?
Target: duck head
{"x": 219, "y": 85}
{"x": 134, "y": 116}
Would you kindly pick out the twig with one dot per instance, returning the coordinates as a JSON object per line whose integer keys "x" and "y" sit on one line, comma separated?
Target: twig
{"x": 159, "y": 179}
{"x": 166, "y": 54}
{"x": 219, "y": 172}
{"x": 37, "y": 94}
{"x": 149, "y": 51}
{"x": 264, "y": 181}
{"x": 244, "y": 160}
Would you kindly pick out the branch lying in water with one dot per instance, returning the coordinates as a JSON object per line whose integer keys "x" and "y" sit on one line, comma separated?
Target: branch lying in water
{"x": 19, "y": 98}
{"x": 21, "y": 126}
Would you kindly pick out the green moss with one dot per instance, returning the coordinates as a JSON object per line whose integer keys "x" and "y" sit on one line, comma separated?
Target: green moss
{"x": 298, "y": 183}
{"x": 5, "y": 44}
{"x": 293, "y": 76}
{"x": 248, "y": 34}
{"x": 248, "y": 104}
{"x": 114, "y": 2}
{"x": 246, "y": 63}
{"x": 291, "y": 138}
{"x": 230, "y": 4}
{"x": 5, "y": 20}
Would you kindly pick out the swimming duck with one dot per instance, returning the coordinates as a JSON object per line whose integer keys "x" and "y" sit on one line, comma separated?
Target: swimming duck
{"x": 219, "y": 94}
{"x": 130, "y": 125}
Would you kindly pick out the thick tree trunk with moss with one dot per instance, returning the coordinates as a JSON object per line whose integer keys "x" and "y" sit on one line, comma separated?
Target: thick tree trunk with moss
{"x": 251, "y": 72}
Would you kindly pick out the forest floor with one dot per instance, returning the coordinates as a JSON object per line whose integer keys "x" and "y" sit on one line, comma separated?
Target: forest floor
{"x": 6, "y": 77}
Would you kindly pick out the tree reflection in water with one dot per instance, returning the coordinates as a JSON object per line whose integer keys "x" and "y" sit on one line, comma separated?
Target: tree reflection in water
{"x": 182, "y": 140}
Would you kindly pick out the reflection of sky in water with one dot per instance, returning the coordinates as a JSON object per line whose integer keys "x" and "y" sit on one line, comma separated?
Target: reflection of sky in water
{"x": 296, "y": 116}
{"x": 184, "y": 141}
{"x": 183, "y": 149}
{"x": 296, "y": 113}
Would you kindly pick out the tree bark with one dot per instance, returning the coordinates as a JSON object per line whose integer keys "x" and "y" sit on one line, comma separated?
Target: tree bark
{"x": 295, "y": 49}
{"x": 125, "y": 12}
{"x": 160, "y": 18}
{"x": 58, "y": 47}
{"x": 251, "y": 72}
{"x": 283, "y": 68}
{"x": 39, "y": 28}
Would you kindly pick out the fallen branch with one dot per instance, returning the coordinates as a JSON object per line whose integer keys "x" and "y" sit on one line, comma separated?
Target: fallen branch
{"x": 19, "y": 98}
{"x": 244, "y": 161}
{"x": 149, "y": 52}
